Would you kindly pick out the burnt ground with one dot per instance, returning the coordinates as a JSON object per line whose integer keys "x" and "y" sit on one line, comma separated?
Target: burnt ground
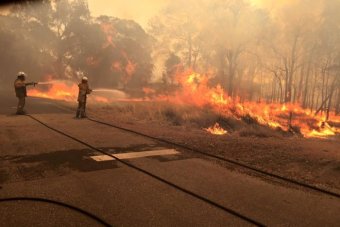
{"x": 313, "y": 161}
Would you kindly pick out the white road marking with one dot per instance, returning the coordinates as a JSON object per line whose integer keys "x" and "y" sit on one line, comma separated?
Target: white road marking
{"x": 131, "y": 155}
{"x": 101, "y": 158}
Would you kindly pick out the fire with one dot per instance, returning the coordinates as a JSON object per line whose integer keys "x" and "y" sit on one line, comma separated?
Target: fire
{"x": 66, "y": 91}
{"x": 325, "y": 130}
{"x": 56, "y": 90}
{"x": 195, "y": 90}
{"x": 216, "y": 130}
{"x": 321, "y": 134}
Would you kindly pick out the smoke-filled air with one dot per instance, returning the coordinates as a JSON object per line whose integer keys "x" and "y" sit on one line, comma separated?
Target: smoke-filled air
{"x": 225, "y": 67}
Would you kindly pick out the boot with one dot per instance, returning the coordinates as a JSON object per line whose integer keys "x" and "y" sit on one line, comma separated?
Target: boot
{"x": 78, "y": 114}
{"x": 21, "y": 112}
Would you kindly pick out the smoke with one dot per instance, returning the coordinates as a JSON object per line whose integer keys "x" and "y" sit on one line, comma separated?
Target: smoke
{"x": 271, "y": 51}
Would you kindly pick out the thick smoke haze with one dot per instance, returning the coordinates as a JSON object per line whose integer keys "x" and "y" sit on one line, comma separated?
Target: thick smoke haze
{"x": 256, "y": 50}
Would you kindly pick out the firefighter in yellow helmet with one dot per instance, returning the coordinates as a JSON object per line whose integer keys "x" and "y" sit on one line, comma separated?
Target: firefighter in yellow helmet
{"x": 84, "y": 90}
{"x": 20, "y": 91}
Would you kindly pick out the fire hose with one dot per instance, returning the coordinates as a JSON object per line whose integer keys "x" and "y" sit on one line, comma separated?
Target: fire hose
{"x": 58, "y": 203}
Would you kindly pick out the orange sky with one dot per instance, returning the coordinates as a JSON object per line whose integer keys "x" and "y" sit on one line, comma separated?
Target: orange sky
{"x": 271, "y": 3}
{"x": 138, "y": 10}
{"x": 142, "y": 10}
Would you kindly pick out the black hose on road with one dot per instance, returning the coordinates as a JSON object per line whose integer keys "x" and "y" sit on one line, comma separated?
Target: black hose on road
{"x": 61, "y": 204}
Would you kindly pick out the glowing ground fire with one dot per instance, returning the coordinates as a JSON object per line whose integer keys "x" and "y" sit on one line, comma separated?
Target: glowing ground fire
{"x": 216, "y": 130}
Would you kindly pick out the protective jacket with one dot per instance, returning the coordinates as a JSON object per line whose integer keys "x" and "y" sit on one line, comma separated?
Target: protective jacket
{"x": 84, "y": 90}
{"x": 20, "y": 88}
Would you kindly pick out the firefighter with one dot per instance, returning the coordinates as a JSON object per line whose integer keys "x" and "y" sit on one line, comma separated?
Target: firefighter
{"x": 84, "y": 90}
{"x": 21, "y": 92}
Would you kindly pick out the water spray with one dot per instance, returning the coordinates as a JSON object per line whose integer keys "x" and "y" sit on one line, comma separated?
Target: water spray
{"x": 45, "y": 83}
{"x": 104, "y": 90}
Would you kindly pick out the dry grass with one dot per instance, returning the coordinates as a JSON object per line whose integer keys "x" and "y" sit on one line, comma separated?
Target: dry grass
{"x": 183, "y": 115}
{"x": 259, "y": 131}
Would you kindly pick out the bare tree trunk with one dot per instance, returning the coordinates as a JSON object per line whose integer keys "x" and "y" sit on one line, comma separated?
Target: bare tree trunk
{"x": 190, "y": 51}
{"x": 323, "y": 103}
{"x": 195, "y": 54}
{"x": 324, "y": 85}
{"x": 273, "y": 93}
{"x": 329, "y": 103}
{"x": 337, "y": 104}
{"x": 313, "y": 91}
{"x": 316, "y": 103}
{"x": 238, "y": 86}
{"x": 290, "y": 69}
{"x": 300, "y": 87}
{"x": 295, "y": 93}
{"x": 221, "y": 74}
{"x": 305, "y": 91}
{"x": 231, "y": 73}
{"x": 328, "y": 98}
{"x": 286, "y": 99}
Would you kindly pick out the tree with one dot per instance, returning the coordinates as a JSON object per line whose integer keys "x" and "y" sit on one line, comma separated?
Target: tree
{"x": 172, "y": 65}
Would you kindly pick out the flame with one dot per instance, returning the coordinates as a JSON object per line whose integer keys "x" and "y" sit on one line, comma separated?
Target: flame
{"x": 324, "y": 131}
{"x": 216, "y": 130}
{"x": 58, "y": 91}
{"x": 195, "y": 90}
{"x": 125, "y": 65}
{"x": 65, "y": 91}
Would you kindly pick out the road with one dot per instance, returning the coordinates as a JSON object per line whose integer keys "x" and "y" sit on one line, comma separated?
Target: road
{"x": 38, "y": 162}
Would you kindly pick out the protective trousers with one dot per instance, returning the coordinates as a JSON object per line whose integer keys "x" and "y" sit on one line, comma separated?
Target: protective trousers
{"x": 21, "y": 105}
{"x": 81, "y": 110}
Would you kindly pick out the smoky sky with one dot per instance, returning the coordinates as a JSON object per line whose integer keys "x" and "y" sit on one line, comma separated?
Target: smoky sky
{"x": 139, "y": 11}
{"x": 143, "y": 11}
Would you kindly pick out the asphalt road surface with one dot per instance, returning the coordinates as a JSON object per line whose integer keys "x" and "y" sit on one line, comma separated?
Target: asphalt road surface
{"x": 38, "y": 162}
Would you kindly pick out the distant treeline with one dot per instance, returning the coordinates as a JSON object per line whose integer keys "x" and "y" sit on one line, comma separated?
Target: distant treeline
{"x": 59, "y": 39}
{"x": 287, "y": 54}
